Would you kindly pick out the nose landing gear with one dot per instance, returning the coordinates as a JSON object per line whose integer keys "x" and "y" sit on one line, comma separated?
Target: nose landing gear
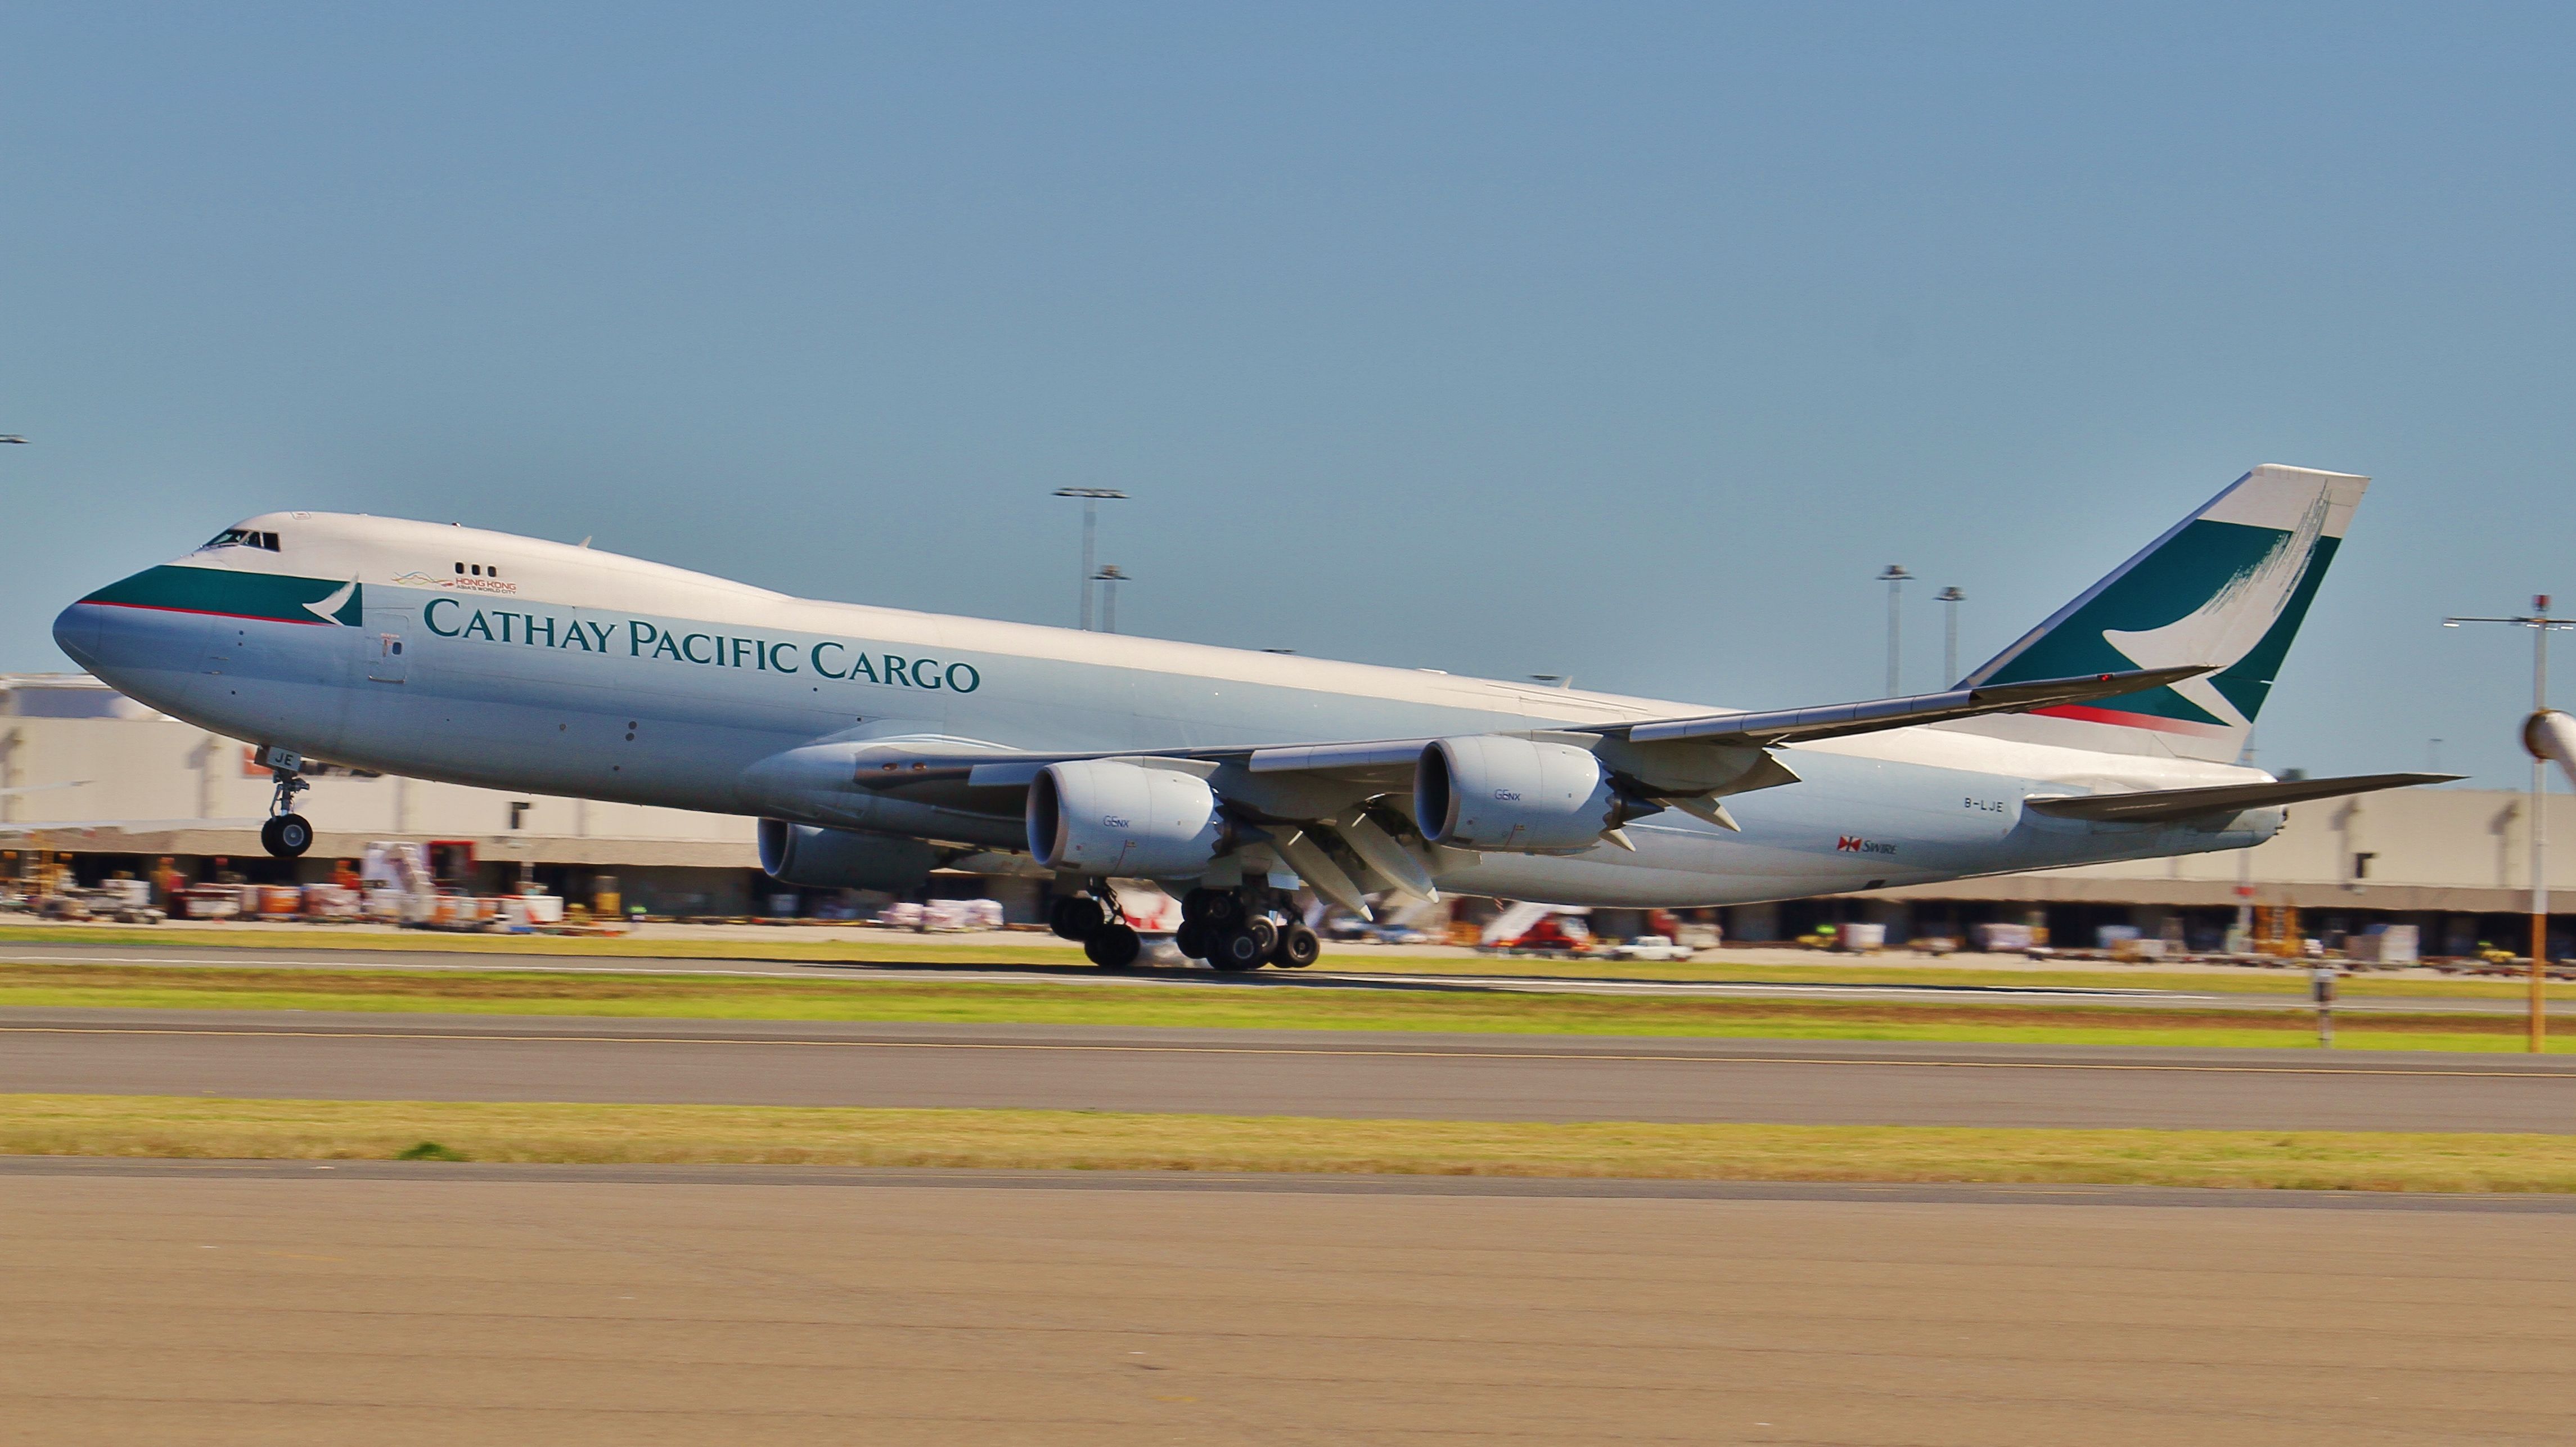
{"x": 287, "y": 834}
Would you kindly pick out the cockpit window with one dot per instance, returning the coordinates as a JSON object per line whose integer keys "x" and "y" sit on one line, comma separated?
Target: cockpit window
{"x": 242, "y": 538}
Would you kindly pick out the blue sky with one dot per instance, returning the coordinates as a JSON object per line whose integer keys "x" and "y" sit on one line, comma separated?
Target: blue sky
{"x": 1625, "y": 341}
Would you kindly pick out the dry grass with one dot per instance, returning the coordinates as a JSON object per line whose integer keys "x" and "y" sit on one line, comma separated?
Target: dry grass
{"x": 181, "y": 1127}
{"x": 672, "y": 996}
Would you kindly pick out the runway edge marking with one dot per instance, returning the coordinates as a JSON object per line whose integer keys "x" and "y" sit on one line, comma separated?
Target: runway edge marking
{"x": 1319, "y": 1052}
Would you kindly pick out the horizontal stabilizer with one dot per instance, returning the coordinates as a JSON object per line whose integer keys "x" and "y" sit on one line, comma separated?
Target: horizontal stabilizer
{"x": 2156, "y": 806}
{"x": 1796, "y": 724}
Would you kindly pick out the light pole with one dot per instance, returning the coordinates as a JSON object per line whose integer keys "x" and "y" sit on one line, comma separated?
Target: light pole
{"x": 1091, "y": 497}
{"x": 1894, "y": 578}
{"x": 2539, "y": 621}
{"x": 1952, "y": 597}
{"x": 1109, "y": 578}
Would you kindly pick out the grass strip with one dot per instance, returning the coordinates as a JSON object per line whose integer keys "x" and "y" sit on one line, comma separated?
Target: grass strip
{"x": 192, "y": 1128}
{"x": 785, "y": 946}
{"x": 718, "y": 997}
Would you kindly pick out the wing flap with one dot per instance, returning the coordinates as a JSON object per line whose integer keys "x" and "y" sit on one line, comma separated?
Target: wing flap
{"x": 1299, "y": 758}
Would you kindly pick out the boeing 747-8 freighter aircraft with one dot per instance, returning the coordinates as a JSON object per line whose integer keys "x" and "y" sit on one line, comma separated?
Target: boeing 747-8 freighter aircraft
{"x": 873, "y": 743}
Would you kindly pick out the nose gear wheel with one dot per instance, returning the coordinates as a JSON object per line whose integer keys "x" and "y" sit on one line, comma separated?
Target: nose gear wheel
{"x": 287, "y": 834}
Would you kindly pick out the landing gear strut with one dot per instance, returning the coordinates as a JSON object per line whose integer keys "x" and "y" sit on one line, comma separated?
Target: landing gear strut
{"x": 1095, "y": 919}
{"x": 287, "y": 834}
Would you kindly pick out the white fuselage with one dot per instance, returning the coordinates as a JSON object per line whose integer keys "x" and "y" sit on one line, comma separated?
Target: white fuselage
{"x": 490, "y": 659}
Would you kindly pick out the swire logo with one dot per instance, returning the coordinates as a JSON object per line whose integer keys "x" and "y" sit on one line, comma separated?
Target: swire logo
{"x": 1855, "y": 844}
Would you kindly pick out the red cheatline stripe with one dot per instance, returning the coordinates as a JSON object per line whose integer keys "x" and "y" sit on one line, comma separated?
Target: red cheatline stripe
{"x": 2131, "y": 720}
{"x": 206, "y": 612}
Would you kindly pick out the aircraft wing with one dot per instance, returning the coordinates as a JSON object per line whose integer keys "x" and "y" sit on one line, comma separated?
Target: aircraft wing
{"x": 1688, "y": 762}
{"x": 1797, "y": 725}
{"x": 1315, "y": 799}
{"x": 902, "y": 763}
{"x": 2156, "y": 806}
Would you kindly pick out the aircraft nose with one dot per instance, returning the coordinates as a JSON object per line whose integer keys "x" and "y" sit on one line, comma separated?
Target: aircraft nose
{"x": 76, "y": 633}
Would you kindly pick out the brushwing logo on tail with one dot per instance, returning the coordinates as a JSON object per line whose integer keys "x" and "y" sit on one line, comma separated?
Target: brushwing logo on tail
{"x": 2225, "y": 629}
{"x": 2228, "y": 587}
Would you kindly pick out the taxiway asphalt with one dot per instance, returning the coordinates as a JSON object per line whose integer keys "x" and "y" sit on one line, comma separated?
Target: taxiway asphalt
{"x": 1262, "y": 1072}
{"x": 292, "y": 1303}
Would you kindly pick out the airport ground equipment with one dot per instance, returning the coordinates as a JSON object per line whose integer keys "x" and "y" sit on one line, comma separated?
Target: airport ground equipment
{"x": 1652, "y": 948}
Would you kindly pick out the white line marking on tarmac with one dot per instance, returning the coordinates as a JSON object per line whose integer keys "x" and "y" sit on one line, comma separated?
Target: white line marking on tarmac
{"x": 1109, "y": 1049}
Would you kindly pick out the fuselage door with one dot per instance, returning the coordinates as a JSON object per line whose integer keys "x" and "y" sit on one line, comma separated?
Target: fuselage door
{"x": 387, "y": 664}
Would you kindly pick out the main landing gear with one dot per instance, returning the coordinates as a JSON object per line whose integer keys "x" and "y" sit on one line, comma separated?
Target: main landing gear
{"x": 1234, "y": 930}
{"x": 1095, "y": 920}
{"x": 1237, "y": 931}
{"x": 287, "y": 834}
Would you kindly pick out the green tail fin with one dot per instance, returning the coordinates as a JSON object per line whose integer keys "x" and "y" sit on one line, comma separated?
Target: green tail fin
{"x": 2228, "y": 586}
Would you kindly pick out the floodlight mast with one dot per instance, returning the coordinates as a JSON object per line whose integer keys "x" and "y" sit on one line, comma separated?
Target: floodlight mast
{"x": 1895, "y": 578}
{"x": 1091, "y": 499}
{"x": 1109, "y": 577}
{"x": 1950, "y": 599}
{"x": 2541, "y": 624}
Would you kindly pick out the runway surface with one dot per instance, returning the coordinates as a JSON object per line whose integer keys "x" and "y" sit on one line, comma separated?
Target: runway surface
{"x": 2172, "y": 992}
{"x": 1326, "y": 1073}
{"x": 290, "y": 1304}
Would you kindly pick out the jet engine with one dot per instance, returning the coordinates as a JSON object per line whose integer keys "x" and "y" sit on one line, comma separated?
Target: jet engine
{"x": 1099, "y": 816}
{"x": 1513, "y": 795}
{"x": 843, "y": 858}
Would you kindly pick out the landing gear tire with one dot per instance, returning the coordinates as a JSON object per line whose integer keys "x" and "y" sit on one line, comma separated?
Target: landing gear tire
{"x": 1222, "y": 909}
{"x": 1194, "y": 939}
{"x": 1113, "y": 947}
{"x": 1298, "y": 948}
{"x": 1076, "y": 917}
{"x": 1246, "y": 947}
{"x": 286, "y": 836}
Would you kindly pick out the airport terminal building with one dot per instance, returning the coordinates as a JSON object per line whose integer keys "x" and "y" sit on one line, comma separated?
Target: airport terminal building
{"x": 127, "y": 787}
